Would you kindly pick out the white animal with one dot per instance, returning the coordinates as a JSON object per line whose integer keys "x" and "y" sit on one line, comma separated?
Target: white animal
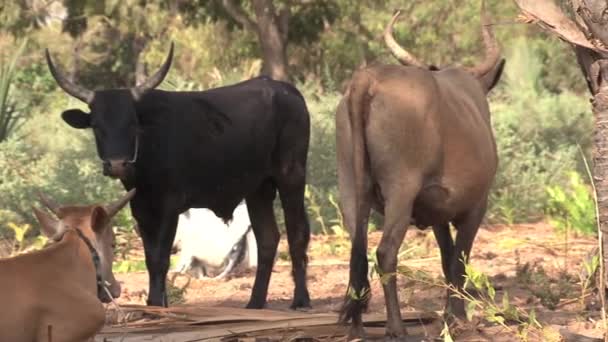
{"x": 207, "y": 243}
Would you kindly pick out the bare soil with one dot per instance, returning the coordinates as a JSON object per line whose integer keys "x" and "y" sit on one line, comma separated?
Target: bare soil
{"x": 550, "y": 284}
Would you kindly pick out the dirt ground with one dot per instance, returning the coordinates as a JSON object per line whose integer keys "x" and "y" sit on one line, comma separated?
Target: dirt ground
{"x": 541, "y": 271}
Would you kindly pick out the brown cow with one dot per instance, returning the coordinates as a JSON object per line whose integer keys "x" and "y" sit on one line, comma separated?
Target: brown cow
{"x": 61, "y": 285}
{"x": 414, "y": 143}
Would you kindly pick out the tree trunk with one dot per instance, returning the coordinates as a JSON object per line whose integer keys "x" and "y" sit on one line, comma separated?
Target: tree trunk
{"x": 600, "y": 154}
{"x": 273, "y": 40}
{"x": 595, "y": 69}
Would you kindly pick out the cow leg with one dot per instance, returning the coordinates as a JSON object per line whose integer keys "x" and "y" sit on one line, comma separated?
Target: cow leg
{"x": 398, "y": 211}
{"x": 446, "y": 247}
{"x": 264, "y": 225}
{"x": 157, "y": 233}
{"x": 359, "y": 290}
{"x": 291, "y": 191}
{"x": 467, "y": 227}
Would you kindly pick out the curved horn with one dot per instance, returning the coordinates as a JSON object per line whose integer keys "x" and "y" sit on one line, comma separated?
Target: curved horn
{"x": 113, "y": 208}
{"x": 399, "y": 52}
{"x": 492, "y": 53}
{"x": 79, "y": 92}
{"x": 49, "y": 203}
{"x": 156, "y": 79}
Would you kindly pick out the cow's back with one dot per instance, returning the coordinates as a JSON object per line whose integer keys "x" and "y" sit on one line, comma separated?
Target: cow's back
{"x": 216, "y": 146}
{"x": 431, "y": 128}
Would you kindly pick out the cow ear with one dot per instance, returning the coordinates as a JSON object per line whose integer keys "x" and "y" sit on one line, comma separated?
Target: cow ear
{"x": 49, "y": 226}
{"x": 490, "y": 79}
{"x": 99, "y": 219}
{"x": 77, "y": 118}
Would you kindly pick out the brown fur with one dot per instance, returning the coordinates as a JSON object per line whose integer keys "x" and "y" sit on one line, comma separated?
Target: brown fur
{"x": 57, "y": 286}
{"x": 417, "y": 146}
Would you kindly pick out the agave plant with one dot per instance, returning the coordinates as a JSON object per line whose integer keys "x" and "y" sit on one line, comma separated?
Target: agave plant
{"x": 10, "y": 118}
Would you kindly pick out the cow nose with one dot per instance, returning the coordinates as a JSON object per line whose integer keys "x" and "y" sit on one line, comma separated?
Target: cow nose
{"x": 115, "y": 289}
{"x": 115, "y": 168}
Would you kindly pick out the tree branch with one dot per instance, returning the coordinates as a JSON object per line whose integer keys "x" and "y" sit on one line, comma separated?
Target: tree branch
{"x": 283, "y": 20}
{"x": 237, "y": 13}
{"x": 591, "y": 13}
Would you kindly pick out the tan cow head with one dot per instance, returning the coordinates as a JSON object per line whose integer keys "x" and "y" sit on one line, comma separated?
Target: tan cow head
{"x": 94, "y": 223}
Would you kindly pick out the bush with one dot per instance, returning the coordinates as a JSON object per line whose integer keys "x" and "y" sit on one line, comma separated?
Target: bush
{"x": 572, "y": 208}
{"x": 55, "y": 159}
{"x": 538, "y": 133}
{"x": 321, "y": 165}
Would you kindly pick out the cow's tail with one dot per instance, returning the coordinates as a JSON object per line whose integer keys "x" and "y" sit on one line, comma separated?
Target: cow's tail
{"x": 358, "y": 293}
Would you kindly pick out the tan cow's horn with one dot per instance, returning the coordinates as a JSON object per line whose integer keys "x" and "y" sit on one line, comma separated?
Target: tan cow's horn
{"x": 79, "y": 92}
{"x": 113, "y": 208}
{"x": 397, "y": 50}
{"x": 49, "y": 203}
{"x": 492, "y": 52}
{"x": 155, "y": 79}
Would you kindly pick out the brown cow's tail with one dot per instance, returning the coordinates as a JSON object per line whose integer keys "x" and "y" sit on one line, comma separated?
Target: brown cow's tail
{"x": 358, "y": 293}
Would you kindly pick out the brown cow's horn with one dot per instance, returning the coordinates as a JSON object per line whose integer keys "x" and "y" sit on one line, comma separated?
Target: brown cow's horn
{"x": 156, "y": 79}
{"x": 49, "y": 203}
{"x": 75, "y": 90}
{"x": 112, "y": 209}
{"x": 491, "y": 46}
{"x": 399, "y": 52}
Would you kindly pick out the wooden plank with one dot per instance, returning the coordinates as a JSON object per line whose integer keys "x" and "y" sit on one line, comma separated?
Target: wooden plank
{"x": 217, "y": 323}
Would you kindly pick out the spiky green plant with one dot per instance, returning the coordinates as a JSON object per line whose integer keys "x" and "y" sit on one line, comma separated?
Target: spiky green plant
{"x": 10, "y": 118}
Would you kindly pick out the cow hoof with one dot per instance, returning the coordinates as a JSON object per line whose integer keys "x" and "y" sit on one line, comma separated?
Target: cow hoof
{"x": 255, "y": 305}
{"x": 301, "y": 308}
{"x": 303, "y": 305}
{"x": 398, "y": 339}
{"x": 396, "y": 334}
{"x": 301, "y": 300}
{"x": 356, "y": 333}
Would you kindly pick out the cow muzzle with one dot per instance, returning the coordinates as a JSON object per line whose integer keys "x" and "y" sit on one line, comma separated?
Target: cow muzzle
{"x": 117, "y": 168}
{"x": 114, "y": 289}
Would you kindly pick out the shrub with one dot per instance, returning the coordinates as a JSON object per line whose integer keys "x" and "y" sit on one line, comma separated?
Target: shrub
{"x": 10, "y": 116}
{"x": 55, "y": 159}
{"x": 537, "y": 134}
{"x": 572, "y": 208}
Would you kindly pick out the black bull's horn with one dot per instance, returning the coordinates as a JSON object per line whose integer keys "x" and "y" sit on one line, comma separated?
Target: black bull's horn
{"x": 87, "y": 95}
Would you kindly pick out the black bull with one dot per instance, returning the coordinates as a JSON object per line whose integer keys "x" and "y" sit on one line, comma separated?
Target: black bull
{"x": 205, "y": 149}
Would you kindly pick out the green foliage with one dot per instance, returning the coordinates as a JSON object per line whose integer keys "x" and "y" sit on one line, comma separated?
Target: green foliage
{"x": 502, "y": 311}
{"x": 321, "y": 165}
{"x": 492, "y": 311}
{"x": 21, "y": 244}
{"x": 572, "y": 208}
{"x": 445, "y": 333}
{"x": 10, "y": 116}
{"x": 56, "y": 160}
{"x": 537, "y": 122}
{"x": 129, "y": 266}
{"x": 493, "y": 308}
{"x": 537, "y": 134}
{"x": 588, "y": 274}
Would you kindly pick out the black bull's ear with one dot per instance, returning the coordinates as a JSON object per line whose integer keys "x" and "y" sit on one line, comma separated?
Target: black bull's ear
{"x": 76, "y": 118}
